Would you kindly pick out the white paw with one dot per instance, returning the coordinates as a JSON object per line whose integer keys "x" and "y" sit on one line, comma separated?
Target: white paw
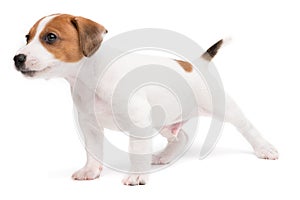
{"x": 266, "y": 151}
{"x": 133, "y": 180}
{"x": 87, "y": 173}
{"x": 160, "y": 159}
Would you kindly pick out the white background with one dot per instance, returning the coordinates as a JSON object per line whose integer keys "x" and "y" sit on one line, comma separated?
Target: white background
{"x": 39, "y": 146}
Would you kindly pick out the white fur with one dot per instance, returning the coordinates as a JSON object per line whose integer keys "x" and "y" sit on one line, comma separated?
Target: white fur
{"x": 38, "y": 58}
{"x": 139, "y": 108}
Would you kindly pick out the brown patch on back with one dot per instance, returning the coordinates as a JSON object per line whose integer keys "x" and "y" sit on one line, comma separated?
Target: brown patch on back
{"x": 188, "y": 67}
{"x": 67, "y": 46}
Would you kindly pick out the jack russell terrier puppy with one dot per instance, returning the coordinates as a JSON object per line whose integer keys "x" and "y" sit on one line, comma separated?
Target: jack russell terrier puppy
{"x": 60, "y": 45}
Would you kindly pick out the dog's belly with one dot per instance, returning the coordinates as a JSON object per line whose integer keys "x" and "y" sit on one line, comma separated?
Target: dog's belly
{"x": 165, "y": 110}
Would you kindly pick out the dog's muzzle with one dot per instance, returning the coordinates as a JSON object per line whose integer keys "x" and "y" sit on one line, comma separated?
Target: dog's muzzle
{"x": 20, "y": 61}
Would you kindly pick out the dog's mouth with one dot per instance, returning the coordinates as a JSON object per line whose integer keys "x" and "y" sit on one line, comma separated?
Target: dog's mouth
{"x": 31, "y": 73}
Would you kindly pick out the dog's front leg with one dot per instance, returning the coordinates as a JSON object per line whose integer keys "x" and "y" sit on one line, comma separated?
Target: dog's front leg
{"x": 140, "y": 158}
{"x": 93, "y": 140}
{"x": 140, "y": 140}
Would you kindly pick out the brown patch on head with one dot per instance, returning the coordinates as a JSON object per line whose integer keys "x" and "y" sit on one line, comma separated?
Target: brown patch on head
{"x": 66, "y": 47}
{"x": 188, "y": 67}
{"x": 73, "y": 39}
{"x": 90, "y": 35}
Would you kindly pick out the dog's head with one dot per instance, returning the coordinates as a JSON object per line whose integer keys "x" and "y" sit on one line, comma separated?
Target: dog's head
{"x": 56, "y": 41}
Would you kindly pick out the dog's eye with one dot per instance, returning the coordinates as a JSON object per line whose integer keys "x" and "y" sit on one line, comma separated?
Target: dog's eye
{"x": 27, "y": 38}
{"x": 50, "y": 38}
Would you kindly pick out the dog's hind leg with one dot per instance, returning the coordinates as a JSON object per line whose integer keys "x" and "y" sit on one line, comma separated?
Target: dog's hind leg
{"x": 262, "y": 148}
{"x": 177, "y": 139}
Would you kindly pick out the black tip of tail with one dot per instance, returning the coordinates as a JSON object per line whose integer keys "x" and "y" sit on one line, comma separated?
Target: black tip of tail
{"x": 212, "y": 51}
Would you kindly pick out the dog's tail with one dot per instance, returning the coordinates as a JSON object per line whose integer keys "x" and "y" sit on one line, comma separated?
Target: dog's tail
{"x": 210, "y": 53}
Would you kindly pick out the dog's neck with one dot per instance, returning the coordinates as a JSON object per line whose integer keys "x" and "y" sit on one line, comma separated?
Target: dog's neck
{"x": 85, "y": 75}
{"x": 89, "y": 70}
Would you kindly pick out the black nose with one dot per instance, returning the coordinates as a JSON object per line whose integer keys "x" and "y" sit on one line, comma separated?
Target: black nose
{"x": 20, "y": 60}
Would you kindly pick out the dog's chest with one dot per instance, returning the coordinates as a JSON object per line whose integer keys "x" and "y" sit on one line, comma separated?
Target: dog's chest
{"x": 89, "y": 103}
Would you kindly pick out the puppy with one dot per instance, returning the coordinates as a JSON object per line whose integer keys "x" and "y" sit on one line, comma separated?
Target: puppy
{"x": 61, "y": 45}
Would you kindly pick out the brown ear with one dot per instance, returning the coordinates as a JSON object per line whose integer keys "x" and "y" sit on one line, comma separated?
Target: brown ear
{"x": 90, "y": 35}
